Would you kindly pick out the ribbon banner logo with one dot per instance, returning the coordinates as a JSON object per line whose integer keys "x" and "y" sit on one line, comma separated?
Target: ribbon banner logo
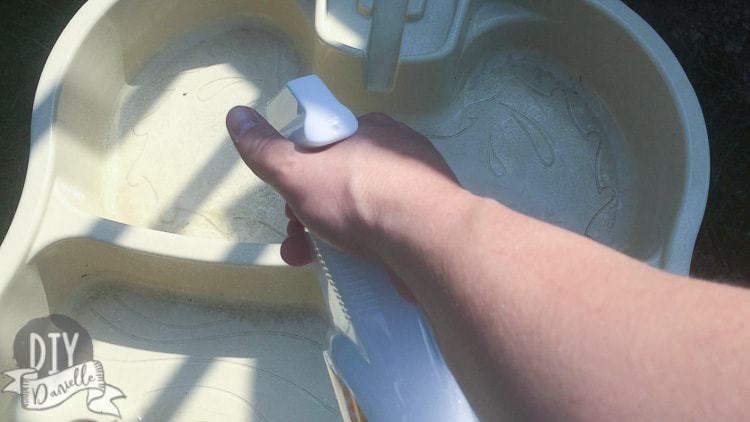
{"x": 55, "y": 359}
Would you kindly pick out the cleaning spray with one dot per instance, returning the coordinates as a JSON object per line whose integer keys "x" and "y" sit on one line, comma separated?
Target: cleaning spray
{"x": 382, "y": 358}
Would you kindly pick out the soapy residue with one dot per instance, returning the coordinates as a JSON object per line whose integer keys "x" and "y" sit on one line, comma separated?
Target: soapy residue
{"x": 172, "y": 166}
{"x": 521, "y": 130}
{"x": 177, "y": 355}
{"x": 527, "y": 133}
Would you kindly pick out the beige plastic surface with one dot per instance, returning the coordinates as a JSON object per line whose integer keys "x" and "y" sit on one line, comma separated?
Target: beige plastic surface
{"x": 139, "y": 221}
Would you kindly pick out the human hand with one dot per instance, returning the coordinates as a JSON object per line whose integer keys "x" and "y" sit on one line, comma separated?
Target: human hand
{"x": 349, "y": 193}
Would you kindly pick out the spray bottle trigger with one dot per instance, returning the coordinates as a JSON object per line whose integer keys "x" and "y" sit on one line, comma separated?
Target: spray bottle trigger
{"x": 325, "y": 120}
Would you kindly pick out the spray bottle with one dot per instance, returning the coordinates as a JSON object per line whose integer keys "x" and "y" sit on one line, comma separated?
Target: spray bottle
{"x": 382, "y": 358}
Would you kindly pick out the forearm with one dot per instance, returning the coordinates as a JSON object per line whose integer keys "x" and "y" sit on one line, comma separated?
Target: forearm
{"x": 539, "y": 322}
{"x": 534, "y": 321}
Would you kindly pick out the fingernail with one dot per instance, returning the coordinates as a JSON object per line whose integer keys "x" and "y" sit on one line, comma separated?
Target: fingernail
{"x": 240, "y": 120}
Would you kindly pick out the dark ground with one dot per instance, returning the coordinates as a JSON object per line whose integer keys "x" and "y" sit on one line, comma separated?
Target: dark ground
{"x": 710, "y": 38}
{"x": 712, "y": 41}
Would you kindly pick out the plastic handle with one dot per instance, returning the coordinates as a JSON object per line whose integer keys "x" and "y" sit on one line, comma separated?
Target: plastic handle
{"x": 325, "y": 119}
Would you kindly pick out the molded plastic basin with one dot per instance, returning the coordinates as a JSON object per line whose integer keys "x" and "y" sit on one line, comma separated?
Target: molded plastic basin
{"x": 139, "y": 221}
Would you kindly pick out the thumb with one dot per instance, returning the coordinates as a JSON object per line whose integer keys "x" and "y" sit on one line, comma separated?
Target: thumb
{"x": 264, "y": 150}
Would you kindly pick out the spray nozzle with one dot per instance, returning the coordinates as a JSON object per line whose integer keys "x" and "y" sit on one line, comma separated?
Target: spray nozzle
{"x": 319, "y": 118}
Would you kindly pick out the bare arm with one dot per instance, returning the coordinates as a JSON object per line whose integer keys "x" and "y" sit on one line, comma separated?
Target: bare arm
{"x": 536, "y": 322}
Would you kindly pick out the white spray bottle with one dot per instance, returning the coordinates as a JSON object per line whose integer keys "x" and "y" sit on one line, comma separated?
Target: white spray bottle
{"x": 381, "y": 355}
